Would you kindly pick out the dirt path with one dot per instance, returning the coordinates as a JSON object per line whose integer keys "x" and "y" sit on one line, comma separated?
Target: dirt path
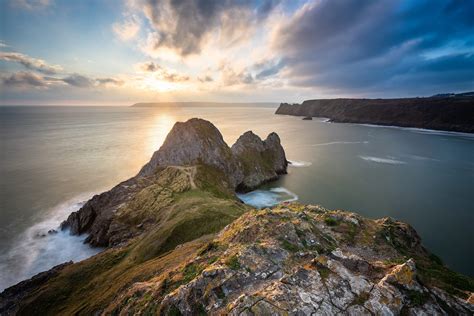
{"x": 190, "y": 172}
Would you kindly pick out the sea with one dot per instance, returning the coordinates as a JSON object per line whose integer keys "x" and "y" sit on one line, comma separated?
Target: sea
{"x": 54, "y": 158}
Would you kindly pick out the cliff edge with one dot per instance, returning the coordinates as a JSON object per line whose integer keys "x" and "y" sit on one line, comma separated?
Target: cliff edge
{"x": 443, "y": 112}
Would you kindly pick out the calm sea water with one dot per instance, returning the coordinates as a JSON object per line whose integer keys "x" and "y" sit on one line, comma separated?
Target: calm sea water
{"x": 55, "y": 158}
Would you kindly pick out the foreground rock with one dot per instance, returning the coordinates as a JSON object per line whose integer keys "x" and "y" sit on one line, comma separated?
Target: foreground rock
{"x": 292, "y": 259}
{"x": 247, "y": 165}
{"x": 304, "y": 260}
{"x": 453, "y": 112}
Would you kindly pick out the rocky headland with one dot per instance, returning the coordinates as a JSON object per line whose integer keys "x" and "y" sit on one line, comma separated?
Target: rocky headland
{"x": 449, "y": 112}
{"x": 179, "y": 242}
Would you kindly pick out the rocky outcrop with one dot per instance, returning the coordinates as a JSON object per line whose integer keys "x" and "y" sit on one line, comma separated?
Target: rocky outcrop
{"x": 195, "y": 142}
{"x": 305, "y": 260}
{"x": 250, "y": 163}
{"x": 260, "y": 161}
{"x": 450, "y": 113}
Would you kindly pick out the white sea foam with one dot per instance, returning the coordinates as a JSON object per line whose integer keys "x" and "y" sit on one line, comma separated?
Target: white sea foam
{"x": 265, "y": 198}
{"x": 297, "y": 163}
{"x": 422, "y": 158}
{"x": 340, "y": 142}
{"x": 35, "y": 250}
{"x": 389, "y": 160}
{"x": 422, "y": 130}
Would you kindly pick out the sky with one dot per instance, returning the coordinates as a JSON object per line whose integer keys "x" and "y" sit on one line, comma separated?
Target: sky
{"x": 119, "y": 52}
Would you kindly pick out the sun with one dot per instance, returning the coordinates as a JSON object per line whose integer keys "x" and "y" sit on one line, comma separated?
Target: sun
{"x": 153, "y": 84}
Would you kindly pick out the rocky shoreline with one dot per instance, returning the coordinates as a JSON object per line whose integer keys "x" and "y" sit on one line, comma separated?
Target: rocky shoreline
{"x": 179, "y": 242}
{"x": 445, "y": 112}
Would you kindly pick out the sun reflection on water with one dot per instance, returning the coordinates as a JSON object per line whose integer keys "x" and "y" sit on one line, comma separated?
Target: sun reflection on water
{"x": 162, "y": 124}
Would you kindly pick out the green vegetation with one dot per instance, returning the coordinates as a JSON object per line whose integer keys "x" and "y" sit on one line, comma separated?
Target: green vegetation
{"x": 174, "y": 311}
{"x": 233, "y": 263}
{"x": 323, "y": 272}
{"x": 330, "y": 221}
{"x": 190, "y": 272}
{"x": 285, "y": 244}
{"x": 417, "y": 298}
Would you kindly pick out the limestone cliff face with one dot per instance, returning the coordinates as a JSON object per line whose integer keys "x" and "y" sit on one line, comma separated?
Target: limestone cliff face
{"x": 260, "y": 161}
{"x": 195, "y": 142}
{"x": 451, "y": 113}
{"x": 250, "y": 163}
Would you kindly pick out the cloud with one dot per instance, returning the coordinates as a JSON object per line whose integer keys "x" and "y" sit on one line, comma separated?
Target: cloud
{"x": 206, "y": 78}
{"x": 3, "y": 44}
{"x": 369, "y": 45}
{"x": 24, "y": 80}
{"x": 162, "y": 73}
{"x": 230, "y": 76}
{"x": 109, "y": 81}
{"x": 79, "y": 81}
{"x": 30, "y": 63}
{"x": 183, "y": 26}
{"x": 128, "y": 29}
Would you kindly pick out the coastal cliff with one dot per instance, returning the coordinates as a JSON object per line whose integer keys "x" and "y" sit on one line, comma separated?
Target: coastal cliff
{"x": 443, "y": 112}
{"x": 189, "y": 147}
{"x": 179, "y": 242}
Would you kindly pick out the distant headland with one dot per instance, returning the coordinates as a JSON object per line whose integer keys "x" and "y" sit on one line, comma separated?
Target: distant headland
{"x": 449, "y": 111}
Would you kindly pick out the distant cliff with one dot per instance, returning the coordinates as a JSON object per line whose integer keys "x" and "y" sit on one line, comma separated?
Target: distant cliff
{"x": 449, "y": 112}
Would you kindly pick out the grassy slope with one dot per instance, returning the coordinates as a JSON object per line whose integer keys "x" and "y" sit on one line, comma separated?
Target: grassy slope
{"x": 89, "y": 285}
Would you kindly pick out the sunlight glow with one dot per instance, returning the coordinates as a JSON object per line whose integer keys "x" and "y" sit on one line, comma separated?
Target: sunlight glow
{"x": 161, "y": 127}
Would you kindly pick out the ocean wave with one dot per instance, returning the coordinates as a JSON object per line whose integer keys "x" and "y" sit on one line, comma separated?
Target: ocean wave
{"x": 266, "y": 198}
{"x": 36, "y": 250}
{"x": 297, "y": 163}
{"x": 340, "y": 142}
{"x": 390, "y": 160}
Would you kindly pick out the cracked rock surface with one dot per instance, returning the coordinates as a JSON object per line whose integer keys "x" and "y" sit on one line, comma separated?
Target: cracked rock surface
{"x": 306, "y": 260}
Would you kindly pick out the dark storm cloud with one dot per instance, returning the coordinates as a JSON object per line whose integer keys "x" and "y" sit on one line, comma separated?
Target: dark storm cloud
{"x": 363, "y": 45}
{"x": 182, "y": 25}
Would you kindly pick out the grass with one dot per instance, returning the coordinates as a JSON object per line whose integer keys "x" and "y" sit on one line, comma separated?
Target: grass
{"x": 330, "y": 221}
{"x": 190, "y": 272}
{"x": 285, "y": 244}
{"x": 233, "y": 263}
{"x": 417, "y": 298}
{"x": 323, "y": 272}
{"x": 85, "y": 287}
